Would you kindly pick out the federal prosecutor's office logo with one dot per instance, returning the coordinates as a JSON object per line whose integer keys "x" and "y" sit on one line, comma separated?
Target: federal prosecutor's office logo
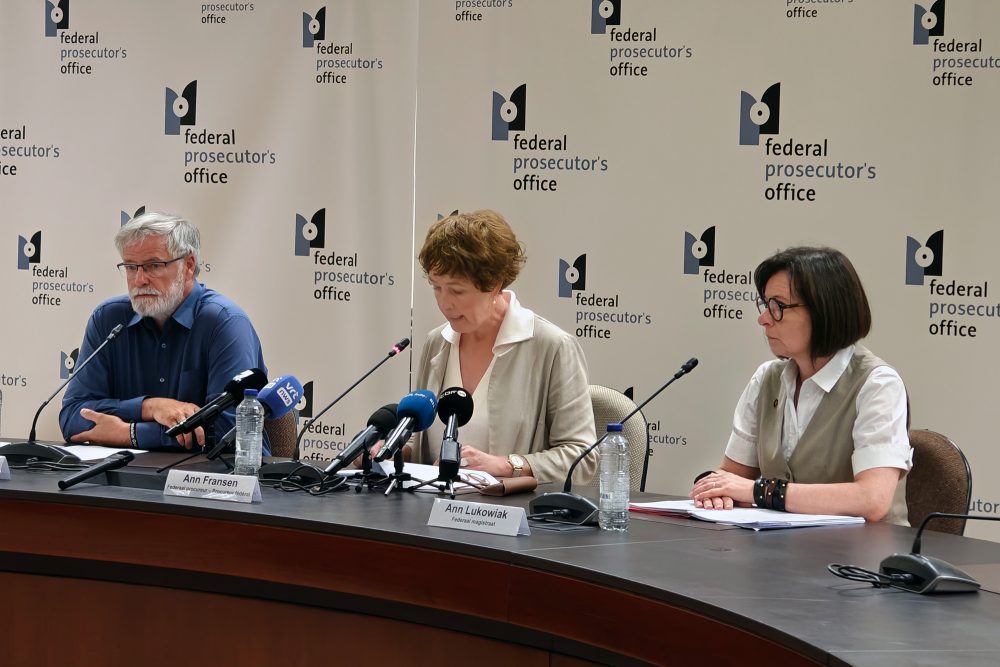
{"x": 509, "y": 112}
{"x": 311, "y": 233}
{"x": 313, "y": 28}
{"x": 57, "y": 16}
{"x": 928, "y": 23}
{"x": 924, "y": 259}
{"x": 305, "y": 404}
{"x": 604, "y": 13}
{"x": 572, "y": 278}
{"x": 757, "y": 118}
{"x": 699, "y": 252}
{"x": 126, "y": 218}
{"x": 29, "y": 251}
{"x": 67, "y": 362}
{"x": 180, "y": 109}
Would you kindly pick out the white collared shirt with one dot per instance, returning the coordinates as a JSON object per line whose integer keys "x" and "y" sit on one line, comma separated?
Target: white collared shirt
{"x": 518, "y": 325}
{"x": 880, "y": 437}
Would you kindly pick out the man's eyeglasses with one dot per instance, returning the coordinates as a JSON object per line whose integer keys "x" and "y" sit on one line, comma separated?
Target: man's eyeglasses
{"x": 151, "y": 269}
{"x": 775, "y": 307}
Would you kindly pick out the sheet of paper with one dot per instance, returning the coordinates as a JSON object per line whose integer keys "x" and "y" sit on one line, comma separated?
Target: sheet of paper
{"x": 744, "y": 517}
{"x": 96, "y": 452}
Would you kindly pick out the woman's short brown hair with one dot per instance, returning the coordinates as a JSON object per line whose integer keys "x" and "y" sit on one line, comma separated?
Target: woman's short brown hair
{"x": 479, "y": 246}
{"x": 826, "y": 282}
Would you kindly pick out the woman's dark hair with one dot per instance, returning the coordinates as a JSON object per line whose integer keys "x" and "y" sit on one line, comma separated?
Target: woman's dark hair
{"x": 825, "y": 281}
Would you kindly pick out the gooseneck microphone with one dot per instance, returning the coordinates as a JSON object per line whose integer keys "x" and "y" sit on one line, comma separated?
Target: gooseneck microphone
{"x": 925, "y": 574}
{"x": 416, "y": 413}
{"x": 113, "y": 462}
{"x": 21, "y": 452}
{"x": 280, "y": 470}
{"x": 454, "y": 409}
{"x": 231, "y": 394}
{"x": 573, "y": 508}
{"x": 380, "y": 424}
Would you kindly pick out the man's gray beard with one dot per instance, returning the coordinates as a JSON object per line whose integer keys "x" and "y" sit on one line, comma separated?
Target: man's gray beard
{"x": 163, "y": 305}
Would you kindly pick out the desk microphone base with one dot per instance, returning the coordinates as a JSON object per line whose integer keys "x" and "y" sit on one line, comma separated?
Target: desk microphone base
{"x": 22, "y": 452}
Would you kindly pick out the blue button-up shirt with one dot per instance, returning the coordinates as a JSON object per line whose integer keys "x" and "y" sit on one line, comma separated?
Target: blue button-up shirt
{"x": 206, "y": 341}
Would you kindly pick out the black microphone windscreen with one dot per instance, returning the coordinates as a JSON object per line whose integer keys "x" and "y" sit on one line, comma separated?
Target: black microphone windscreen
{"x": 457, "y": 402}
{"x": 689, "y": 364}
{"x": 384, "y": 419}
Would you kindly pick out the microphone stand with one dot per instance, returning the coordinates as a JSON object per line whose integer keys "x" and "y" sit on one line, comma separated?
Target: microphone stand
{"x": 445, "y": 482}
{"x": 368, "y": 475}
{"x": 22, "y": 452}
{"x": 570, "y": 507}
{"x": 398, "y": 477}
{"x": 210, "y": 454}
{"x": 279, "y": 470}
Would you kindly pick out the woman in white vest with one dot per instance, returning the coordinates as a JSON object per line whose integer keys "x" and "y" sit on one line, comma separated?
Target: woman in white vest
{"x": 527, "y": 377}
{"x": 823, "y": 428}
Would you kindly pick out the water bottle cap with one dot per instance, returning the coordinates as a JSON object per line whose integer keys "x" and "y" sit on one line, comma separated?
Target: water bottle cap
{"x": 614, "y": 428}
{"x": 249, "y": 392}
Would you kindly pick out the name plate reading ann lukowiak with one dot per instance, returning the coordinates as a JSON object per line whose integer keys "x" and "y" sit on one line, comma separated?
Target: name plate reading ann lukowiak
{"x": 213, "y": 486}
{"x": 480, "y": 517}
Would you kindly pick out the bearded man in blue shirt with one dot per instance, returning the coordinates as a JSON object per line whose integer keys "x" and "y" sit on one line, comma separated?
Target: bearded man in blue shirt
{"x": 182, "y": 343}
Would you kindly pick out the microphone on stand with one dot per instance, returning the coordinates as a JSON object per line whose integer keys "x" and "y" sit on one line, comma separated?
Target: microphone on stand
{"x": 281, "y": 469}
{"x": 231, "y": 394}
{"x": 416, "y": 413}
{"x": 21, "y": 452}
{"x": 277, "y": 397}
{"x": 380, "y": 424}
{"x": 574, "y": 508}
{"x": 454, "y": 409}
{"x": 113, "y": 462}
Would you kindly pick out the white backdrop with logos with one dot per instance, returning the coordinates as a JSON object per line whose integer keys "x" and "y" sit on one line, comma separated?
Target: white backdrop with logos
{"x": 649, "y": 153}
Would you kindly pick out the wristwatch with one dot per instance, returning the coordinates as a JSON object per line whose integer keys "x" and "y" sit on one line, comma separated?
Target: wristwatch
{"x": 517, "y": 463}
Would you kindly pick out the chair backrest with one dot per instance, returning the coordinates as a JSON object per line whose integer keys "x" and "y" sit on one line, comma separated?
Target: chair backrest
{"x": 281, "y": 434}
{"x": 610, "y": 406}
{"x": 939, "y": 481}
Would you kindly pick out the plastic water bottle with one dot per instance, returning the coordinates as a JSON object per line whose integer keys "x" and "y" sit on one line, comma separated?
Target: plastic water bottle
{"x": 614, "y": 478}
{"x": 249, "y": 434}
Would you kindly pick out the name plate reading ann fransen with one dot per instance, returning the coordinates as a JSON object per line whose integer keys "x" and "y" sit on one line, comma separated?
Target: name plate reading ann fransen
{"x": 213, "y": 486}
{"x": 480, "y": 517}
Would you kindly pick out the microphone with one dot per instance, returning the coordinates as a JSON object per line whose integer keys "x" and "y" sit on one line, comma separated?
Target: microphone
{"x": 113, "y": 462}
{"x": 278, "y": 397}
{"x": 231, "y": 394}
{"x": 454, "y": 409}
{"x": 575, "y": 508}
{"x": 924, "y": 574}
{"x": 281, "y": 469}
{"x": 416, "y": 413}
{"x": 380, "y": 424}
{"x": 21, "y": 452}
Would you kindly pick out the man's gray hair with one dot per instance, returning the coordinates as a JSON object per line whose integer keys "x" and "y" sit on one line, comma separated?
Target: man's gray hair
{"x": 183, "y": 237}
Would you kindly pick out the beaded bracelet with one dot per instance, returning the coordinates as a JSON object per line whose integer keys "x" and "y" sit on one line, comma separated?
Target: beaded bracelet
{"x": 131, "y": 434}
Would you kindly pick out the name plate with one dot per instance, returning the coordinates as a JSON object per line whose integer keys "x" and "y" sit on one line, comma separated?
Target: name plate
{"x": 480, "y": 517}
{"x": 4, "y": 468}
{"x": 213, "y": 486}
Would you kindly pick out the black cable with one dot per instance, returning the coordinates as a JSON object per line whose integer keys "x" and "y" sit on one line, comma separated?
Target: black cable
{"x": 49, "y": 466}
{"x": 876, "y": 579}
{"x": 321, "y": 488}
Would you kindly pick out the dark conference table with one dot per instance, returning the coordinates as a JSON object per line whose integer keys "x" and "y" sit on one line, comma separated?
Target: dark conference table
{"x": 108, "y": 574}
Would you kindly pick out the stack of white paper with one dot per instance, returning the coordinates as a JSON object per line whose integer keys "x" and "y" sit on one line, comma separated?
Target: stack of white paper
{"x": 744, "y": 517}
